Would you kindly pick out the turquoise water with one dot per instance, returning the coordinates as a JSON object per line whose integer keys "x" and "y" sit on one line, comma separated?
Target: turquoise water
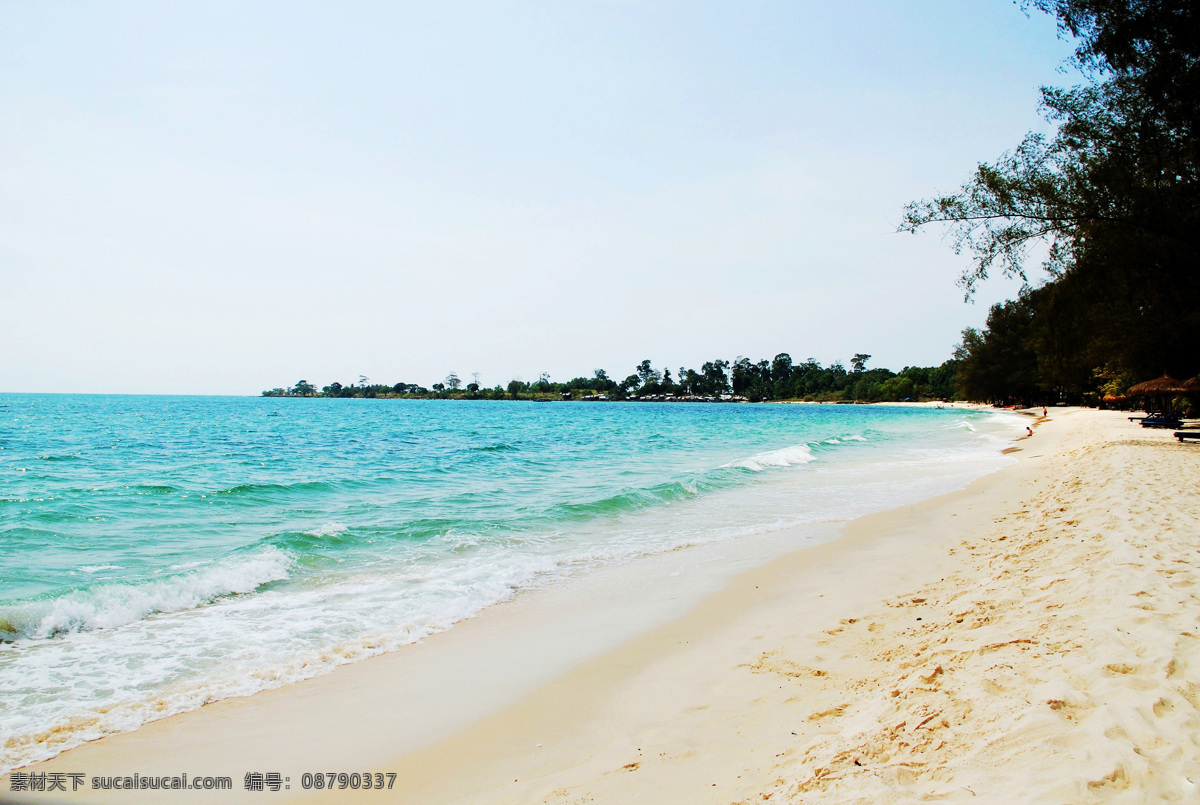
{"x": 162, "y": 552}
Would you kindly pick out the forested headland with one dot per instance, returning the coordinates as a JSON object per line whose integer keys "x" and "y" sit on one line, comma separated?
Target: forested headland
{"x": 717, "y": 380}
{"x": 1110, "y": 204}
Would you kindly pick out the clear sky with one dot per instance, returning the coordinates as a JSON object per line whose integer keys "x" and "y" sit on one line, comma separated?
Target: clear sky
{"x": 225, "y": 197}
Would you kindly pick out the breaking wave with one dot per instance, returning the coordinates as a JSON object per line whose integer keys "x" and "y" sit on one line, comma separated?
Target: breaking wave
{"x": 106, "y": 606}
{"x": 784, "y": 457}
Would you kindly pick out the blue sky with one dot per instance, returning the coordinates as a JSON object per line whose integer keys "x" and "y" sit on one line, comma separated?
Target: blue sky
{"x": 224, "y": 197}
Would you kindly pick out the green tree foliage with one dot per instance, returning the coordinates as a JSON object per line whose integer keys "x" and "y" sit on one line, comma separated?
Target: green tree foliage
{"x": 1114, "y": 194}
{"x": 714, "y": 380}
{"x": 897, "y": 388}
{"x": 1000, "y": 365}
{"x": 646, "y": 373}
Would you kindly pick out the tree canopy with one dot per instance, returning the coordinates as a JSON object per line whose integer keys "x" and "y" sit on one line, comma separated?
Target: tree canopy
{"x": 1113, "y": 195}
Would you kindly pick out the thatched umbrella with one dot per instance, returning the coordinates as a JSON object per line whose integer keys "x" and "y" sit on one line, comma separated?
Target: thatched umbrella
{"x": 1156, "y": 388}
{"x": 1160, "y": 388}
{"x": 1192, "y": 386}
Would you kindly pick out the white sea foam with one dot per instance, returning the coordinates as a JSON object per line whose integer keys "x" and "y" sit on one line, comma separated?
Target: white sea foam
{"x": 784, "y": 457}
{"x": 328, "y": 530}
{"x": 97, "y": 568}
{"x": 147, "y": 670}
{"x": 107, "y": 606}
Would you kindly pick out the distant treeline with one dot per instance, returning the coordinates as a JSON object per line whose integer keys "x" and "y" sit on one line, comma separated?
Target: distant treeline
{"x": 741, "y": 379}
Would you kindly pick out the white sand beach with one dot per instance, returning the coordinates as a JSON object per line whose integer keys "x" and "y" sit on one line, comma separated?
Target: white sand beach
{"x": 1034, "y": 637}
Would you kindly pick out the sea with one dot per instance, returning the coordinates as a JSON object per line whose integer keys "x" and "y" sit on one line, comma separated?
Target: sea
{"x": 158, "y": 553}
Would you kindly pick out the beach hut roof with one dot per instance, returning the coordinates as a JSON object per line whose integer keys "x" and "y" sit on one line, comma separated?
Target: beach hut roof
{"x": 1193, "y": 384}
{"x": 1163, "y": 385}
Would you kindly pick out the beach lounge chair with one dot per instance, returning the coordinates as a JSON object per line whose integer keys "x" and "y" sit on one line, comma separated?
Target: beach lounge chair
{"x": 1162, "y": 421}
{"x": 1184, "y": 435}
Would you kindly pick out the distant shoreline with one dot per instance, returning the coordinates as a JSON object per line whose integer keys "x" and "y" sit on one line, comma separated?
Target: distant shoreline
{"x": 718, "y": 380}
{"x": 922, "y": 403}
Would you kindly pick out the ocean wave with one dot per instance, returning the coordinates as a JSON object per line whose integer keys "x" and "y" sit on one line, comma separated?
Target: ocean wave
{"x": 783, "y": 457}
{"x": 836, "y": 440}
{"x": 630, "y": 500}
{"x": 22, "y": 538}
{"x": 152, "y": 489}
{"x": 331, "y": 539}
{"x": 257, "y": 489}
{"x": 493, "y": 448}
{"x": 107, "y": 606}
{"x": 71, "y": 491}
{"x": 133, "y": 704}
{"x": 328, "y": 530}
{"x": 306, "y": 546}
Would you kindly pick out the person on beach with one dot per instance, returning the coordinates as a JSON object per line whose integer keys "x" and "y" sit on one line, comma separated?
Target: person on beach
{"x": 1043, "y": 413}
{"x": 1029, "y": 429}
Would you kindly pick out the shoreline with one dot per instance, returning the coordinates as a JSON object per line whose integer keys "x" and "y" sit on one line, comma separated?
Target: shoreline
{"x": 585, "y": 613}
{"x": 753, "y": 537}
{"x": 1029, "y": 638}
{"x": 609, "y": 695}
{"x": 593, "y": 717}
